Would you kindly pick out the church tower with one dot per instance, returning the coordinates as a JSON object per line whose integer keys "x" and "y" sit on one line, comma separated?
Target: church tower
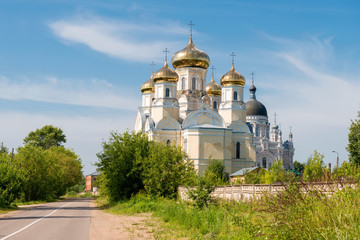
{"x": 232, "y": 106}
{"x": 191, "y": 66}
{"x": 213, "y": 91}
{"x": 165, "y": 103}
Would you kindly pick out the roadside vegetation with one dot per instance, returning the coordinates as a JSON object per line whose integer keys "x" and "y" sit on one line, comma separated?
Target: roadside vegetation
{"x": 41, "y": 170}
{"x": 140, "y": 176}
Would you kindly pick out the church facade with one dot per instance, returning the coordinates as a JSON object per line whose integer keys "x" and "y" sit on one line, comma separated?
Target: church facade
{"x": 209, "y": 121}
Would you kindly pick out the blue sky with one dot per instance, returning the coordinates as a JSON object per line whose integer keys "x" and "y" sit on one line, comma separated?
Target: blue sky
{"x": 79, "y": 64}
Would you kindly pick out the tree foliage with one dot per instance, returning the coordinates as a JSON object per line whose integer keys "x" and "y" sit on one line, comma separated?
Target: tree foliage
{"x": 47, "y": 173}
{"x": 299, "y": 167}
{"x": 46, "y": 137}
{"x": 164, "y": 169}
{"x": 315, "y": 170}
{"x": 120, "y": 177}
{"x": 354, "y": 141}
{"x": 129, "y": 162}
{"x": 215, "y": 173}
{"x": 11, "y": 181}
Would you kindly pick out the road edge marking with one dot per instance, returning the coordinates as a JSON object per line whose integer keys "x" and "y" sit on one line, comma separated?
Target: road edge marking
{"x": 22, "y": 229}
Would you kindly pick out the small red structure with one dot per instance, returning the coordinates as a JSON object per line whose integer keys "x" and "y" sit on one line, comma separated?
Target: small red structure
{"x": 90, "y": 179}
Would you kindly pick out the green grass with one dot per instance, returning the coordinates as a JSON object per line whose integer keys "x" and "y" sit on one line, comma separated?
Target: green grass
{"x": 73, "y": 194}
{"x": 289, "y": 215}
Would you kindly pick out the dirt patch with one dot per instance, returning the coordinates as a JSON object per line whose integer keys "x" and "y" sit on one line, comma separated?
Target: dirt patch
{"x": 110, "y": 227}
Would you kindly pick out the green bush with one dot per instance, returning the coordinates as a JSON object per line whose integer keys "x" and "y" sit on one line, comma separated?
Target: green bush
{"x": 11, "y": 181}
{"x": 130, "y": 163}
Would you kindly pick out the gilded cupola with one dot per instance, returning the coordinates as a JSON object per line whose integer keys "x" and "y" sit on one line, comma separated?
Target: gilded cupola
{"x": 190, "y": 56}
{"x": 232, "y": 78}
{"x": 148, "y": 86}
{"x": 213, "y": 89}
{"x": 166, "y": 74}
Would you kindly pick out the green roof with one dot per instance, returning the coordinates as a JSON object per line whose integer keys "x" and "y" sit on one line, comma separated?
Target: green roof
{"x": 243, "y": 171}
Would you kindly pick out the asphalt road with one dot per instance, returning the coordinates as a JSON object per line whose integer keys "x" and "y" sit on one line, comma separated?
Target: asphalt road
{"x": 68, "y": 220}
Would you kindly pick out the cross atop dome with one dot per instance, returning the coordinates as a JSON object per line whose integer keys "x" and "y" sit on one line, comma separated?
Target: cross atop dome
{"x": 166, "y": 51}
{"x": 233, "y": 57}
{"x": 212, "y": 70}
{"x": 191, "y": 26}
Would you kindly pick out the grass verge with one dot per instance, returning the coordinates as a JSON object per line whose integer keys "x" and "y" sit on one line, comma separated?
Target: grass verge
{"x": 290, "y": 215}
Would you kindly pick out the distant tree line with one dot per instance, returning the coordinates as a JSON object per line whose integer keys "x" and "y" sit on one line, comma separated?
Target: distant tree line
{"x": 42, "y": 169}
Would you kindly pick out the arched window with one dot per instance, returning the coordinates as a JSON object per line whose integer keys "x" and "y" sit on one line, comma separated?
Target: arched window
{"x": 264, "y": 162}
{"x": 168, "y": 142}
{"x": 167, "y": 92}
{"x": 237, "y": 150}
{"x": 257, "y": 130}
{"x": 215, "y": 105}
{"x": 193, "y": 83}
{"x": 235, "y": 96}
{"x": 183, "y": 83}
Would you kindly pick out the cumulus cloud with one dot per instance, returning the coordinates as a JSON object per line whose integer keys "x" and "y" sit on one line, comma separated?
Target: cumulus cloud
{"x": 121, "y": 39}
{"x": 93, "y": 93}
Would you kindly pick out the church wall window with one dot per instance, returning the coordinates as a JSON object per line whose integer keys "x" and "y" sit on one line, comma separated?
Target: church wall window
{"x": 167, "y": 92}
{"x": 235, "y": 96}
{"x": 183, "y": 83}
{"x": 185, "y": 145}
{"x": 168, "y": 142}
{"x": 215, "y": 105}
{"x": 264, "y": 162}
{"x": 257, "y": 130}
{"x": 202, "y": 84}
{"x": 193, "y": 83}
{"x": 237, "y": 150}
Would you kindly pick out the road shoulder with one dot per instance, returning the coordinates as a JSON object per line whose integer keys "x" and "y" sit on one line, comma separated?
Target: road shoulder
{"x": 108, "y": 226}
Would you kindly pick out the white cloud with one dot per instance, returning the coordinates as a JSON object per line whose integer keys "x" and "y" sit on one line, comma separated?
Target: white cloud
{"x": 94, "y": 93}
{"x": 125, "y": 40}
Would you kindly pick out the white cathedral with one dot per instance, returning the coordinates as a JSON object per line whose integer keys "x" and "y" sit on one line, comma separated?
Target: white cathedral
{"x": 209, "y": 121}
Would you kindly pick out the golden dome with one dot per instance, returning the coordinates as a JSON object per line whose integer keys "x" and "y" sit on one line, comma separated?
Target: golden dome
{"x": 148, "y": 86}
{"x": 166, "y": 74}
{"x": 232, "y": 78}
{"x": 190, "y": 56}
{"x": 213, "y": 89}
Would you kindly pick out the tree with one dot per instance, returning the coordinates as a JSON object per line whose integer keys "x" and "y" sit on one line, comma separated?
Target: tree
{"x": 299, "y": 167}
{"x": 46, "y": 137}
{"x": 11, "y": 181}
{"x": 129, "y": 163}
{"x": 47, "y": 172}
{"x": 215, "y": 173}
{"x": 315, "y": 169}
{"x": 354, "y": 141}
{"x": 120, "y": 177}
{"x": 164, "y": 169}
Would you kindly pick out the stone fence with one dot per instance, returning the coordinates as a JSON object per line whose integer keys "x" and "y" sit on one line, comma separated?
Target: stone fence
{"x": 248, "y": 192}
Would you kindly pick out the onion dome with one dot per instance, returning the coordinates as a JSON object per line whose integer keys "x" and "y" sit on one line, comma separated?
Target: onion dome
{"x": 148, "y": 86}
{"x": 190, "y": 56}
{"x": 166, "y": 74}
{"x": 253, "y": 106}
{"x": 213, "y": 89}
{"x": 232, "y": 78}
